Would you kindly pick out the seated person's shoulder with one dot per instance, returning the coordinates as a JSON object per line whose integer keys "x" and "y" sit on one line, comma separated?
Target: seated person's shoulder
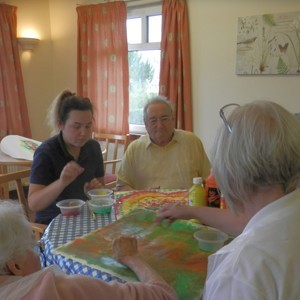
{"x": 141, "y": 141}
{"x": 186, "y": 135}
{"x": 91, "y": 143}
{"x": 49, "y": 144}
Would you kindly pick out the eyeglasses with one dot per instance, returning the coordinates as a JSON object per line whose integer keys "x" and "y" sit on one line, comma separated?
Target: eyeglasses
{"x": 163, "y": 119}
{"x": 225, "y": 110}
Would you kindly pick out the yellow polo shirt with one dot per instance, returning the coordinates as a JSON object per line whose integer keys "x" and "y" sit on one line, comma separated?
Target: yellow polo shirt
{"x": 146, "y": 165}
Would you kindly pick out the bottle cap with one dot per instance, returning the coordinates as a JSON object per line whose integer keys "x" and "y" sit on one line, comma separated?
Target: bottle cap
{"x": 197, "y": 180}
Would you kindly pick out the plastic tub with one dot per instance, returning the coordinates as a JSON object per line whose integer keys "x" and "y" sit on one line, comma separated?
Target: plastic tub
{"x": 210, "y": 240}
{"x": 70, "y": 207}
{"x": 101, "y": 206}
{"x": 100, "y": 193}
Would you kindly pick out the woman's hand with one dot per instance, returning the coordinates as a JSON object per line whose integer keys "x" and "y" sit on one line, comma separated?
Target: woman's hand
{"x": 41, "y": 196}
{"x": 93, "y": 184}
{"x": 70, "y": 172}
{"x": 125, "y": 250}
{"x": 124, "y": 246}
{"x": 172, "y": 212}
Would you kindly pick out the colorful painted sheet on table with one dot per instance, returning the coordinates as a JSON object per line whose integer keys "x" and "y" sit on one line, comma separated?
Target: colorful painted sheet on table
{"x": 129, "y": 200}
{"x": 19, "y": 147}
{"x": 170, "y": 250}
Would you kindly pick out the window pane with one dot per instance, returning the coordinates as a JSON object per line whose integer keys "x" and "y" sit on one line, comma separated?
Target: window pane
{"x": 144, "y": 69}
{"x": 154, "y": 33}
{"x": 134, "y": 30}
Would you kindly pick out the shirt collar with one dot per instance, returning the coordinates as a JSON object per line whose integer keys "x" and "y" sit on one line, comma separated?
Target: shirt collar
{"x": 174, "y": 139}
{"x": 269, "y": 213}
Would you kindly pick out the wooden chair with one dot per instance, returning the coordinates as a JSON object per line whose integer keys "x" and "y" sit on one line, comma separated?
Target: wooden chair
{"x": 115, "y": 146}
{"x": 17, "y": 177}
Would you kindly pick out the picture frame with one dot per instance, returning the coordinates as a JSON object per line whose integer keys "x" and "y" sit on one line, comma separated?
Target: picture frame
{"x": 268, "y": 44}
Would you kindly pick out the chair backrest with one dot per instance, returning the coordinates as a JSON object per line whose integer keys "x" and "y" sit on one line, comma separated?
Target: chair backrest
{"x": 115, "y": 146}
{"x": 17, "y": 177}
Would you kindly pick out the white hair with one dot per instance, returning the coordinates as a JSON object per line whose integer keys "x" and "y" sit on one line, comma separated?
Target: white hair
{"x": 158, "y": 99}
{"x": 263, "y": 150}
{"x": 16, "y": 236}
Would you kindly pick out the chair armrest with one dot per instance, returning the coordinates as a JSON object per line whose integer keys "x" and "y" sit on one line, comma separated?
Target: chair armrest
{"x": 38, "y": 230}
{"x": 39, "y": 227}
{"x": 113, "y": 161}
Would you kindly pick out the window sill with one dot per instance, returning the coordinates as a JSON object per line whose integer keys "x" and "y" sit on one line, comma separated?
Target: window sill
{"x": 137, "y": 129}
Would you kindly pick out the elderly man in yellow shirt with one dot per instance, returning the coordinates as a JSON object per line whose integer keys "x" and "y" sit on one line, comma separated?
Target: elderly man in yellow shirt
{"x": 166, "y": 157}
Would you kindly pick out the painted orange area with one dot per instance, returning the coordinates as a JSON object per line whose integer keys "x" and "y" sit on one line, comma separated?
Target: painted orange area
{"x": 129, "y": 200}
{"x": 171, "y": 251}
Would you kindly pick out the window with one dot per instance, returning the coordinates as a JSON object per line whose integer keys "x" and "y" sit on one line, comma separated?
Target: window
{"x": 143, "y": 36}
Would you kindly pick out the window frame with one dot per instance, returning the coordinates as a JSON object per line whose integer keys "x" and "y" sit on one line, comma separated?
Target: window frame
{"x": 143, "y": 13}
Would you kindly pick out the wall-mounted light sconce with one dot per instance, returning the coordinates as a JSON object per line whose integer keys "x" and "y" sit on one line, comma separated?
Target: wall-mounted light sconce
{"x": 27, "y": 43}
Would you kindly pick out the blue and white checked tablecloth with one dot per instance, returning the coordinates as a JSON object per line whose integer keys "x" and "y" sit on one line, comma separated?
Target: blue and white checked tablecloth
{"x": 64, "y": 229}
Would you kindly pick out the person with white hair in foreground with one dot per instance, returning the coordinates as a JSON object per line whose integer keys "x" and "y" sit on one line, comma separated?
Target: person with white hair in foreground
{"x": 256, "y": 162}
{"x": 257, "y": 166}
{"x": 21, "y": 276}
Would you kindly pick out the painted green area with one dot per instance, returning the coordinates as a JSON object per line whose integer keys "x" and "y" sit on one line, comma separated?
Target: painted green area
{"x": 103, "y": 211}
{"x": 170, "y": 250}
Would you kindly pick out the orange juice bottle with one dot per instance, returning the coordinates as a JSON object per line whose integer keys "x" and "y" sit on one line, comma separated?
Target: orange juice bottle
{"x": 212, "y": 191}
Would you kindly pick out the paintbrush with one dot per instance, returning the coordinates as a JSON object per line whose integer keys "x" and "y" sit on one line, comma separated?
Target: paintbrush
{"x": 93, "y": 216}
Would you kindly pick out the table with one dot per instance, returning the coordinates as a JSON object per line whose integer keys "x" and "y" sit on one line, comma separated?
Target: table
{"x": 6, "y": 160}
{"x": 62, "y": 230}
{"x": 171, "y": 250}
{"x": 181, "y": 262}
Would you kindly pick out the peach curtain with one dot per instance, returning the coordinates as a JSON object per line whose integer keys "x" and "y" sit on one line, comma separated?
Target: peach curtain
{"x": 13, "y": 108}
{"x": 175, "y": 70}
{"x": 102, "y": 63}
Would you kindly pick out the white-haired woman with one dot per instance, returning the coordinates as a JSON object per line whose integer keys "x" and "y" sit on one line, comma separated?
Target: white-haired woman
{"x": 21, "y": 276}
{"x": 257, "y": 166}
{"x": 256, "y": 162}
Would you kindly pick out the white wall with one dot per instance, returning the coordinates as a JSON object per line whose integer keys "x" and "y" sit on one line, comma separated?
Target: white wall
{"x": 213, "y": 31}
{"x": 213, "y": 28}
{"x": 64, "y": 34}
{"x": 36, "y": 66}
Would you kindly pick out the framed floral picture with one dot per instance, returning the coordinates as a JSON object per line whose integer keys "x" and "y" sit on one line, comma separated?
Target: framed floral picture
{"x": 268, "y": 44}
